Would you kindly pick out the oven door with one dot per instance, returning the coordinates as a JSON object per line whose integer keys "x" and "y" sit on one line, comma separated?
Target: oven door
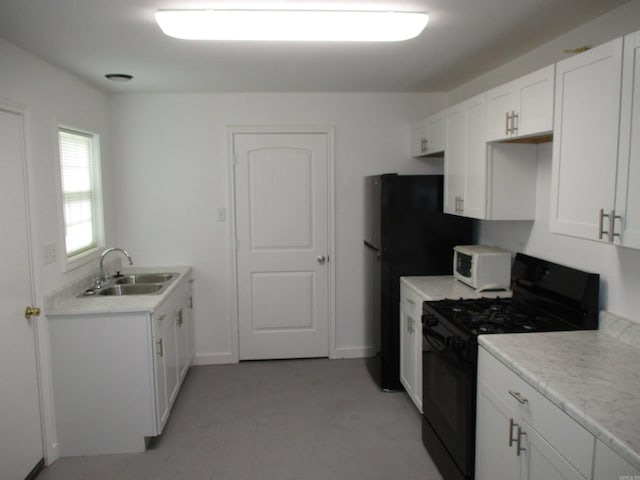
{"x": 448, "y": 376}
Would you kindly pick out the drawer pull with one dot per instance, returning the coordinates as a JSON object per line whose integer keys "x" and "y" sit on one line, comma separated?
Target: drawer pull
{"x": 518, "y": 397}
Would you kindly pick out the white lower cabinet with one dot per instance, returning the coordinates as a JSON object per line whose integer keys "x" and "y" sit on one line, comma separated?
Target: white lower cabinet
{"x": 116, "y": 375}
{"x": 522, "y": 435}
{"x": 608, "y": 464}
{"x": 411, "y": 344}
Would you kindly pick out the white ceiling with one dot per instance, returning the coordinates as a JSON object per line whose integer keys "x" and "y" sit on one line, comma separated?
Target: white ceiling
{"x": 464, "y": 38}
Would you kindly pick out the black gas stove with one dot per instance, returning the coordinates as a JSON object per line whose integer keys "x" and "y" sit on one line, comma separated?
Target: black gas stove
{"x": 546, "y": 297}
{"x": 479, "y": 316}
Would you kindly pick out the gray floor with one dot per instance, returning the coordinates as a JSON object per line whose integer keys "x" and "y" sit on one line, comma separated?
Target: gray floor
{"x": 281, "y": 420}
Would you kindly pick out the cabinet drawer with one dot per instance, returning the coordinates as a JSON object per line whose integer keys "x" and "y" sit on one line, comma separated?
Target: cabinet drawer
{"x": 563, "y": 433}
{"x": 410, "y": 300}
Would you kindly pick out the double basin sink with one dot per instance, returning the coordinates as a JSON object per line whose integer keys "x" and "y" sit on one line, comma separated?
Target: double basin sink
{"x": 133, "y": 284}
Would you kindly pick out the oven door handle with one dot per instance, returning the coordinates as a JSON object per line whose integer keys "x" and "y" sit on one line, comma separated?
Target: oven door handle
{"x": 436, "y": 340}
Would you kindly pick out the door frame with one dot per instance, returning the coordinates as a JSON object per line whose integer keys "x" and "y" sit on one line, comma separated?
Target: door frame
{"x": 329, "y": 131}
{"x": 39, "y": 323}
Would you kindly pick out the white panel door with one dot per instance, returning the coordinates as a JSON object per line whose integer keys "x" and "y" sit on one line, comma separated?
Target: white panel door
{"x": 281, "y": 198}
{"x": 21, "y": 434}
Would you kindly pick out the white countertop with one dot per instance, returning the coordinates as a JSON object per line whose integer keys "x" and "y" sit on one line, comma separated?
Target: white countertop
{"x": 66, "y": 302}
{"x": 591, "y": 376}
{"x": 439, "y": 287}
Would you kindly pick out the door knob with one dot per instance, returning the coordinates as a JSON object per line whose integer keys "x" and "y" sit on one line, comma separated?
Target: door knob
{"x": 321, "y": 259}
{"x": 31, "y": 311}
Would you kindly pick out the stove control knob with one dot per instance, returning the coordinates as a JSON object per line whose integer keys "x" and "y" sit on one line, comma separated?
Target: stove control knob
{"x": 429, "y": 320}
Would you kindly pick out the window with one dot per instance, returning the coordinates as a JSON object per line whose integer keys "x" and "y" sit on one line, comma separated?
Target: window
{"x": 81, "y": 198}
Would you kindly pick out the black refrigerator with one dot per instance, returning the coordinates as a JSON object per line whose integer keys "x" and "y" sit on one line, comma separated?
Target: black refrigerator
{"x": 406, "y": 234}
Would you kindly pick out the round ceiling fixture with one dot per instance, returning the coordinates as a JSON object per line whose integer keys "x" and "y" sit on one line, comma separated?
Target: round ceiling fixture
{"x": 119, "y": 77}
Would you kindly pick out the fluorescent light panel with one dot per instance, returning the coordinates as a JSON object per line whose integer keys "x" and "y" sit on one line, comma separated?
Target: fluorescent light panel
{"x": 291, "y": 25}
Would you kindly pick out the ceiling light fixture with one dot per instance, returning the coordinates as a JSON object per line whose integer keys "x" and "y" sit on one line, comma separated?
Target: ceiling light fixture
{"x": 291, "y": 25}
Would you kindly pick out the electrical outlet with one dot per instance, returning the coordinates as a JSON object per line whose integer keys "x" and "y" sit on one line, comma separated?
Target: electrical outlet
{"x": 49, "y": 253}
{"x": 222, "y": 214}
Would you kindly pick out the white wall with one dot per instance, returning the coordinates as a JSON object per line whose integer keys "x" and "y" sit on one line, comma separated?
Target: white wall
{"x": 619, "y": 267}
{"x": 171, "y": 176}
{"x": 617, "y": 22}
{"x": 50, "y": 96}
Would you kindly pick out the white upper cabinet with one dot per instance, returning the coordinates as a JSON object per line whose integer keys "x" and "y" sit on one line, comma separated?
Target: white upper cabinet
{"x": 429, "y": 136}
{"x": 627, "y": 205}
{"x": 489, "y": 181}
{"x": 521, "y": 108}
{"x": 465, "y": 165}
{"x": 596, "y": 155}
{"x": 585, "y": 146}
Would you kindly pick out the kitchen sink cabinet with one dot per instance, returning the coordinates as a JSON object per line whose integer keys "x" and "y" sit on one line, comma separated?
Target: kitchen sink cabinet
{"x": 521, "y": 434}
{"x": 117, "y": 374}
{"x": 429, "y": 135}
{"x": 411, "y": 344}
{"x": 521, "y": 108}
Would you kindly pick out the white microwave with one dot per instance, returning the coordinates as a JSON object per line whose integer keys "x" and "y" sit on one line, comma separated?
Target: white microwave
{"x": 482, "y": 267}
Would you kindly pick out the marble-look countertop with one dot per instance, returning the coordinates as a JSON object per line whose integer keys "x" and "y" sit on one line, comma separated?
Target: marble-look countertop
{"x": 439, "y": 287}
{"x": 591, "y": 376}
{"x": 65, "y": 302}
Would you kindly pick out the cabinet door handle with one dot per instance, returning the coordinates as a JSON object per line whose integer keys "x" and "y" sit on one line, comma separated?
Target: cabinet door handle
{"x": 514, "y": 122}
{"x": 519, "y": 447}
{"x": 160, "y": 344}
{"x": 506, "y": 123}
{"x": 410, "y": 302}
{"x": 518, "y": 397}
{"x": 179, "y": 317}
{"x": 601, "y": 231}
{"x": 511, "y": 425}
{"x": 190, "y": 303}
{"x": 612, "y": 225}
{"x": 162, "y": 317}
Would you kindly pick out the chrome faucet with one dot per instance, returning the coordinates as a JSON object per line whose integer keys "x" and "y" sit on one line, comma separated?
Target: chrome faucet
{"x": 102, "y": 276}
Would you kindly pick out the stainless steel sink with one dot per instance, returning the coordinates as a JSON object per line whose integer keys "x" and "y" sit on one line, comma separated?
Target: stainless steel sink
{"x": 139, "y": 289}
{"x": 142, "y": 278}
{"x": 133, "y": 284}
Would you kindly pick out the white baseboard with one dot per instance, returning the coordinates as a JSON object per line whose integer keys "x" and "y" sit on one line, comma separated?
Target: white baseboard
{"x": 354, "y": 352}
{"x": 215, "y": 358}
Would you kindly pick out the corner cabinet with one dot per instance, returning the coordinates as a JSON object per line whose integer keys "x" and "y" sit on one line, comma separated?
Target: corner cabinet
{"x": 596, "y": 154}
{"x": 429, "y": 136}
{"x": 411, "y": 343}
{"x": 117, "y": 375}
{"x": 522, "y": 435}
{"x": 627, "y": 205}
{"x": 521, "y": 108}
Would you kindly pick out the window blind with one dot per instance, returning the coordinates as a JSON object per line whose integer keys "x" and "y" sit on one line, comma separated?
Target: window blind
{"x": 78, "y": 190}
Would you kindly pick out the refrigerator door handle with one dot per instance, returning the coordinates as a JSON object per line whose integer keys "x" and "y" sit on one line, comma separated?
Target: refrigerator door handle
{"x": 371, "y": 247}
